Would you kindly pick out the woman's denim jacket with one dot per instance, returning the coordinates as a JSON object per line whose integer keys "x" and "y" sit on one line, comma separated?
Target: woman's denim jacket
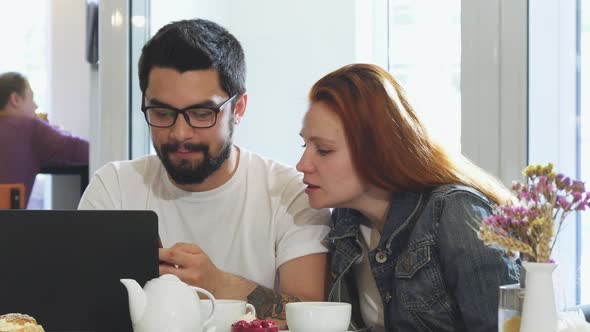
{"x": 432, "y": 271}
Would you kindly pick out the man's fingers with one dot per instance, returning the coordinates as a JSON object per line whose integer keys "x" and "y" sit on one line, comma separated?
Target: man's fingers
{"x": 188, "y": 276}
{"x": 189, "y": 263}
{"x": 187, "y": 247}
{"x": 175, "y": 257}
{"x": 172, "y": 269}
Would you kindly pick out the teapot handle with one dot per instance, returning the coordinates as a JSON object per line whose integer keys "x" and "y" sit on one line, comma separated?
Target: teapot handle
{"x": 212, "y": 298}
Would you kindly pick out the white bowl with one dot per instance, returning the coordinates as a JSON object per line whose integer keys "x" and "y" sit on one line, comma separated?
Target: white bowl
{"x": 318, "y": 316}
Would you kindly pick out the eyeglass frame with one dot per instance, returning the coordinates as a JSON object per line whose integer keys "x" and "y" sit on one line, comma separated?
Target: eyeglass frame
{"x": 182, "y": 111}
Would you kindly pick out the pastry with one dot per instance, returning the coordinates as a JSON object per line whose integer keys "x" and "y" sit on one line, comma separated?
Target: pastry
{"x": 19, "y": 323}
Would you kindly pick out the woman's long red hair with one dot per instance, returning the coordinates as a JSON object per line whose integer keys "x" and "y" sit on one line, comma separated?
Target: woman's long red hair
{"x": 390, "y": 146}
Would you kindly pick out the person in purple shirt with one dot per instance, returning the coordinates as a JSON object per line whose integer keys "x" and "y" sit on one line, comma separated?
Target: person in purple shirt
{"x": 27, "y": 142}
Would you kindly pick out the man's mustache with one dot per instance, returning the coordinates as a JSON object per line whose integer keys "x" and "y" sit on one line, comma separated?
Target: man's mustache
{"x": 173, "y": 147}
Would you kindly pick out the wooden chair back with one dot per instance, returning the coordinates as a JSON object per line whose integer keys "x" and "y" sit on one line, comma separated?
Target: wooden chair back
{"x": 12, "y": 196}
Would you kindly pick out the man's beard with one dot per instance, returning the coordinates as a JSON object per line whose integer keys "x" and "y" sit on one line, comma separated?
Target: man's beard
{"x": 189, "y": 172}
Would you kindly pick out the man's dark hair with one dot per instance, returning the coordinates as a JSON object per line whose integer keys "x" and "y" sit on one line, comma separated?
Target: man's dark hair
{"x": 11, "y": 82}
{"x": 195, "y": 45}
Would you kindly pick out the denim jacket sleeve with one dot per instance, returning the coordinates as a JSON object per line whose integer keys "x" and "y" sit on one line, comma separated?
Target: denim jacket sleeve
{"x": 472, "y": 271}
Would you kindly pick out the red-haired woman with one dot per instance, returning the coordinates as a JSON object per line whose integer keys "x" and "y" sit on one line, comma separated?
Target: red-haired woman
{"x": 404, "y": 250}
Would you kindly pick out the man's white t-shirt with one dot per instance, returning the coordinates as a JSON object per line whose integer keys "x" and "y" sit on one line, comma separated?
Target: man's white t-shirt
{"x": 249, "y": 226}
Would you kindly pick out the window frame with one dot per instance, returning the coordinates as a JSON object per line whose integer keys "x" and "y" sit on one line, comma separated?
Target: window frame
{"x": 494, "y": 86}
{"x": 553, "y": 135}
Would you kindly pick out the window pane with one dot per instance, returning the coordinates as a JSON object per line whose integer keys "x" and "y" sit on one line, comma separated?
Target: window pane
{"x": 425, "y": 56}
{"x": 24, "y": 34}
{"x": 585, "y": 146}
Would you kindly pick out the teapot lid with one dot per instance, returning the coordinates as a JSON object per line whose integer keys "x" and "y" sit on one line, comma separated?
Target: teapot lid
{"x": 169, "y": 277}
{"x": 168, "y": 280}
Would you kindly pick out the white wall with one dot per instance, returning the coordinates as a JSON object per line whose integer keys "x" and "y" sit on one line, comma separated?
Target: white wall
{"x": 287, "y": 49}
{"x": 70, "y": 73}
{"x": 69, "y": 86}
{"x": 315, "y": 45}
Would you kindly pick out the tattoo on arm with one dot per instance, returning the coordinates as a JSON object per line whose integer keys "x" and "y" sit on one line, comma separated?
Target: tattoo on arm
{"x": 269, "y": 304}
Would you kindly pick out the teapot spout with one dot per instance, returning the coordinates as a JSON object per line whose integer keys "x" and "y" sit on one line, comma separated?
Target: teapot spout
{"x": 137, "y": 299}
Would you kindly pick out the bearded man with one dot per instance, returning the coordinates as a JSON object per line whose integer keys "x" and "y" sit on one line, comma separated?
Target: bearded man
{"x": 230, "y": 220}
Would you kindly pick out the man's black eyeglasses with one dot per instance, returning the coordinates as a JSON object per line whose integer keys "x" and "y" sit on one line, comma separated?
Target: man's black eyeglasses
{"x": 197, "y": 116}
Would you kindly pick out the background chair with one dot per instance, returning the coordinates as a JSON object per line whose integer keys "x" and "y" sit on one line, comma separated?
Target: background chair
{"x": 12, "y": 196}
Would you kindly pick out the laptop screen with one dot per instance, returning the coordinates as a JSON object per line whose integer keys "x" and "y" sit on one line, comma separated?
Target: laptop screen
{"x": 63, "y": 267}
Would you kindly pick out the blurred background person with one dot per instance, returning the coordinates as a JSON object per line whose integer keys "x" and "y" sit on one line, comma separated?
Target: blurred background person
{"x": 28, "y": 142}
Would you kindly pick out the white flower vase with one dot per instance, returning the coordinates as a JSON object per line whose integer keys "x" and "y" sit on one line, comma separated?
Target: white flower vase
{"x": 539, "y": 312}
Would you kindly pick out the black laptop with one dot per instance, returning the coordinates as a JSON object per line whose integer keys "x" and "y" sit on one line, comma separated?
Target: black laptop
{"x": 63, "y": 267}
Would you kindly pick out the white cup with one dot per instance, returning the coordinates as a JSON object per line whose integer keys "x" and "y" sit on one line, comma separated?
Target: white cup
{"x": 318, "y": 316}
{"x": 227, "y": 312}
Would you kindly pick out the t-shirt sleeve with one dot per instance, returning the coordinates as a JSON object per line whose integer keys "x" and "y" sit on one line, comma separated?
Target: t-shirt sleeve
{"x": 301, "y": 228}
{"x": 103, "y": 191}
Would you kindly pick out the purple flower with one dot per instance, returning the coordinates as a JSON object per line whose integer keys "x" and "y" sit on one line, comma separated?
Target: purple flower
{"x": 563, "y": 203}
{"x": 578, "y": 186}
{"x": 543, "y": 196}
{"x": 549, "y": 187}
{"x": 491, "y": 220}
{"x": 516, "y": 185}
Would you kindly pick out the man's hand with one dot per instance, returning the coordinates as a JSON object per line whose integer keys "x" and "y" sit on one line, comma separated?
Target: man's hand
{"x": 189, "y": 263}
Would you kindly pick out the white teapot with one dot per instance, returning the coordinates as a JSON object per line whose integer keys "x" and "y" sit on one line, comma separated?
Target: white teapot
{"x": 166, "y": 304}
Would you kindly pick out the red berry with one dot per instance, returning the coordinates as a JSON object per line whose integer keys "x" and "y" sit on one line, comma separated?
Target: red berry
{"x": 268, "y": 323}
{"x": 255, "y": 324}
{"x": 242, "y": 324}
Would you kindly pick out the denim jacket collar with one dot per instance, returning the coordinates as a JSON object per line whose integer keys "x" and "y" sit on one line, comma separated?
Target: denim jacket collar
{"x": 404, "y": 206}
{"x": 347, "y": 226}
